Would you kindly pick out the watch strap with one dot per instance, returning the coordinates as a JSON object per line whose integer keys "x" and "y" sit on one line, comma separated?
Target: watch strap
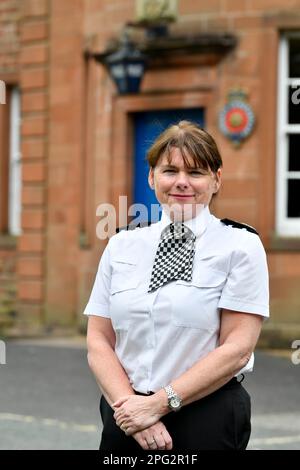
{"x": 169, "y": 391}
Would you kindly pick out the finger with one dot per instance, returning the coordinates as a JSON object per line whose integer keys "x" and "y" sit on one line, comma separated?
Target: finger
{"x": 144, "y": 444}
{"x": 140, "y": 439}
{"x": 168, "y": 440}
{"x": 130, "y": 430}
{"x": 119, "y": 418}
{"x": 119, "y": 415}
{"x": 126, "y": 429}
{"x": 122, "y": 425}
{"x": 123, "y": 428}
{"x": 152, "y": 445}
{"x": 120, "y": 422}
{"x": 160, "y": 441}
{"x": 120, "y": 401}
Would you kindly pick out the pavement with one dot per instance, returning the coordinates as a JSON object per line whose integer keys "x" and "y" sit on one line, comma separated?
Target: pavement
{"x": 49, "y": 398}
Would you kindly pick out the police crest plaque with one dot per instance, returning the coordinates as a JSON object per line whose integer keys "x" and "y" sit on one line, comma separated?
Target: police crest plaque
{"x": 236, "y": 119}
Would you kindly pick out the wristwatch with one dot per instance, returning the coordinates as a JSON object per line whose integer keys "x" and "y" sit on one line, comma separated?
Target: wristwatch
{"x": 174, "y": 400}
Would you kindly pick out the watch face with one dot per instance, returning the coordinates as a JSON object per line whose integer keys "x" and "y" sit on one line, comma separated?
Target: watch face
{"x": 175, "y": 402}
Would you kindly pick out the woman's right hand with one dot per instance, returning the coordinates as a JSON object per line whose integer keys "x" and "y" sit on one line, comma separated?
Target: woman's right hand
{"x": 156, "y": 437}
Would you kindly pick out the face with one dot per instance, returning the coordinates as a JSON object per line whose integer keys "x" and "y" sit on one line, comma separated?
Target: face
{"x": 182, "y": 191}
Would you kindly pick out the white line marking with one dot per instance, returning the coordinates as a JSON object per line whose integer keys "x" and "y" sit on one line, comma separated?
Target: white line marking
{"x": 274, "y": 440}
{"x": 48, "y": 422}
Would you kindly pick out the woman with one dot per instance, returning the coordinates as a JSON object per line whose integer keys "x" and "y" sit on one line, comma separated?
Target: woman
{"x": 176, "y": 311}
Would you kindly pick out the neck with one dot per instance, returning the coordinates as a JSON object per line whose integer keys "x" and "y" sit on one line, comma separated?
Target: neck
{"x": 178, "y": 213}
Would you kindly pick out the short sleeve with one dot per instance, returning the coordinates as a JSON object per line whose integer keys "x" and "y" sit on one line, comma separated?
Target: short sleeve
{"x": 98, "y": 303}
{"x": 247, "y": 286}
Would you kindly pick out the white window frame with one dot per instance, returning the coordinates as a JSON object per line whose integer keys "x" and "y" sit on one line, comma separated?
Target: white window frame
{"x": 14, "y": 196}
{"x": 285, "y": 226}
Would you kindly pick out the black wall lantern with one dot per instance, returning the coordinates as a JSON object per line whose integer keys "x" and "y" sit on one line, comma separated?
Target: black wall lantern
{"x": 126, "y": 65}
{"x": 126, "y": 61}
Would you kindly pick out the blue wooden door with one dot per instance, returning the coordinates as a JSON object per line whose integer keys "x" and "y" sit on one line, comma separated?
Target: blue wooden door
{"x": 147, "y": 126}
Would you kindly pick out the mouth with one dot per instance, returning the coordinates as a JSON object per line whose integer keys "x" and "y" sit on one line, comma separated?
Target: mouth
{"x": 182, "y": 196}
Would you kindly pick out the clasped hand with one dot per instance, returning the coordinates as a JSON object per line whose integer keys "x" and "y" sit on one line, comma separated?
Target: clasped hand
{"x": 134, "y": 413}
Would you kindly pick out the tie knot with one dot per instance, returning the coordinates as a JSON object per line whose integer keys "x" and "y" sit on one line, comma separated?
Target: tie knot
{"x": 177, "y": 230}
{"x": 174, "y": 257}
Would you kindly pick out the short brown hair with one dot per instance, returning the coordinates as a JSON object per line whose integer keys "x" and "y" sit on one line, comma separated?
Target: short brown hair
{"x": 192, "y": 141}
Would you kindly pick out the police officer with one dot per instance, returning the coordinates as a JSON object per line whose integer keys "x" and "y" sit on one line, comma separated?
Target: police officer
{"x": 176, "y": 311}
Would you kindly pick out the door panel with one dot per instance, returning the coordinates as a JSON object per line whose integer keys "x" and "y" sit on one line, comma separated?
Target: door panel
{"x": 147, "y": 127}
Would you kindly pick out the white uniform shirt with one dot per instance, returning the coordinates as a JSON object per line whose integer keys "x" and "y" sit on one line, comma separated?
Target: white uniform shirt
{"x": 160, "y": 335}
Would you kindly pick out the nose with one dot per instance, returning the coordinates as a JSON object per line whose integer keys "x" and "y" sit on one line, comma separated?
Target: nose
{"x": 182, "y": 181}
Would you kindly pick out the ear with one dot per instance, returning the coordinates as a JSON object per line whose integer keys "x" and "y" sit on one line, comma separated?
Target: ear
{"x": 218, "y": 175}
{"x": 151, "y": 178}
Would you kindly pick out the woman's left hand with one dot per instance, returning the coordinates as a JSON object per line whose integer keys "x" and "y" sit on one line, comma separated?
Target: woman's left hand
{"x": 135, "y": 412}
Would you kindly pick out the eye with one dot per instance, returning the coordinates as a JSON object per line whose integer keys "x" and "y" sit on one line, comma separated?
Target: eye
{"x": 196, "y": 172}
{"x": 169, "y": 171}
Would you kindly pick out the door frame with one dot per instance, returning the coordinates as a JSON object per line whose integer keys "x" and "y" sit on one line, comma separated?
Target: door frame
{"x": 123, "y": 131}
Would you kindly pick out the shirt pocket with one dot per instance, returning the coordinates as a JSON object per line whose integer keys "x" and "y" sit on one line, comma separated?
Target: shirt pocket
{"x": 195, "y": 303}
{"x": 124, "y": 281}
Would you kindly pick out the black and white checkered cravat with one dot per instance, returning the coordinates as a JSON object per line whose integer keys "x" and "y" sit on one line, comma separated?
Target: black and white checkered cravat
{"x": 174, "y": 257}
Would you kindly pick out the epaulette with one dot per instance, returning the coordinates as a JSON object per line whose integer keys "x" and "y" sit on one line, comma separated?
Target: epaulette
{"x": 134, "y": 226}
{"x": 235, "y": 224}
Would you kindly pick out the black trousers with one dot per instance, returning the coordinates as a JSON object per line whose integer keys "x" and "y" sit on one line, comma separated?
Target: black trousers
{"x": 219, "y": 421}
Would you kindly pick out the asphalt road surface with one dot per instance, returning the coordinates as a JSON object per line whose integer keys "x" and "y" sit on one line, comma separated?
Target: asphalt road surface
{"x": 49, "y": 398}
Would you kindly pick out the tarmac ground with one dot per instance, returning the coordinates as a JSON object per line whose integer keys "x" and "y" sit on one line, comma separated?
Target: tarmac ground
{"x": 49, "y": 398}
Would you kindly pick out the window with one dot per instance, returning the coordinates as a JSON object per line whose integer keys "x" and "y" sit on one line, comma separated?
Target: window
{"x": 288, "y": 145}
{"x": 14, "y": 200}
{"x": 10, "y": 172}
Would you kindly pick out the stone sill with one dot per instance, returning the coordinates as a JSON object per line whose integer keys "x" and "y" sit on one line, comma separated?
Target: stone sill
{"x": 8, "y": 241}
{"x": 284, "y": 243}
{"x": 278, "y": 335}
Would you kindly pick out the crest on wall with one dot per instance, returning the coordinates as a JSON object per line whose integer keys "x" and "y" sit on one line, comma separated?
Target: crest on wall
{"x": 236, "y": 119}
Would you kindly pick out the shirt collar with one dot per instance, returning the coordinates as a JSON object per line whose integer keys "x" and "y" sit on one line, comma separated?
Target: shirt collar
{"x": 198, "y": 224}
